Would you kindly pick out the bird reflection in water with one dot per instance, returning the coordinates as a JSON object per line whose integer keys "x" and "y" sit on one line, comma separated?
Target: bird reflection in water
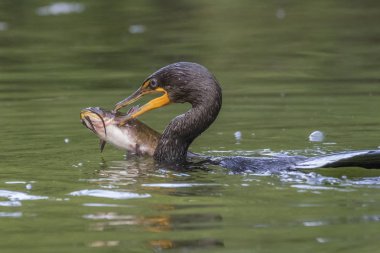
{"x": 185, "y": 244}
{"x": 132, "y": 171}
{"x": 160, "y": 224}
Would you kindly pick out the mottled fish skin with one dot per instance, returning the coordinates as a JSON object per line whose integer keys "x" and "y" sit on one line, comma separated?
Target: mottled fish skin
{"x": 133, "y": 135}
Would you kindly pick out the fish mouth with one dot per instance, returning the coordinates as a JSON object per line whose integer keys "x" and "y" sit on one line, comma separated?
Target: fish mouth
{"x": 97, "y": 119}
{"x": 93, "y": 119}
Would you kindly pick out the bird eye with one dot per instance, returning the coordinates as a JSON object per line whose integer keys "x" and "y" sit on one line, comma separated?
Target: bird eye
{"x": 153, "y": 83}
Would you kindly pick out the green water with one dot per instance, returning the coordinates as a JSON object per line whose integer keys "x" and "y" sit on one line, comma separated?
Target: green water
{"x": 287, "y": 68}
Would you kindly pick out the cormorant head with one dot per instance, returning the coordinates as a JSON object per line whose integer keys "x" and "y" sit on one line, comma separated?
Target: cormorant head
{"x": 178, "y": 83}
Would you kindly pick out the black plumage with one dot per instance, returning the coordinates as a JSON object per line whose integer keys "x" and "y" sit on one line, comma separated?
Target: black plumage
{"x": 186, "y": 82}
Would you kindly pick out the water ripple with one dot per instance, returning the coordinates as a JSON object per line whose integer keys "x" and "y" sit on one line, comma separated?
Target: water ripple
{"x": 11, "y": 214}
{"x": 104, "y": 205}
{"x": 109, "y": 194}
{"x": 10, "y": 203}
{"x": 178, "y": 185}
{"x": 316, "y": 181}
{"x": 13, "y": 195}
{"x": 108, "y": 216}
{"x": 315, "y": 187}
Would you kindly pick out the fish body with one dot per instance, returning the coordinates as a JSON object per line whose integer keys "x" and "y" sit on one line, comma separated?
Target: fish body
{"x": 115, "y": 128}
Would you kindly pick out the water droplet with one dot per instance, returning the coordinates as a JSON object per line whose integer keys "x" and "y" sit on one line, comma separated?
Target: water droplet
{"x": 280, "y": 13}
{"x": 3, "y": 26}
{"x": 316, "y": 136}
{"x": 321, "y": 240}
{"x": 136, "y": 29}
{"x": 238, "y": 135}
{"x": 60, "y": 8}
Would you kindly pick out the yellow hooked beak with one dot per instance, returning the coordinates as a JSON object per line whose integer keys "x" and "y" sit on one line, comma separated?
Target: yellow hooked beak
{"x": 152, "y": 104}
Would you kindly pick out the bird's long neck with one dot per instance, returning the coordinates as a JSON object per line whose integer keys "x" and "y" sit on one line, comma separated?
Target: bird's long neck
{"x": 183, "y": 129}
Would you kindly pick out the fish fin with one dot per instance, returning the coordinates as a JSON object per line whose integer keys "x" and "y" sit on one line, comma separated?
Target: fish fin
{"x": 137, "y": 150}
{"x": 102, "y": 144}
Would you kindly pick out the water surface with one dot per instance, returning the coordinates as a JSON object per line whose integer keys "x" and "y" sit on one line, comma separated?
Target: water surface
{"x": 287, "y": 68}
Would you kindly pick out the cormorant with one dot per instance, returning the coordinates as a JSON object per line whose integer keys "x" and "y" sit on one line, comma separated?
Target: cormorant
{"x": 186, "y": 82}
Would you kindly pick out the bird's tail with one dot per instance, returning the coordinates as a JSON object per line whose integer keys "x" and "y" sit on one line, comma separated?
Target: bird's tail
{"x": 369, "y": 159}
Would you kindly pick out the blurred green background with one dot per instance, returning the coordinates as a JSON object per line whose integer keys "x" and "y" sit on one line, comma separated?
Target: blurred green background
{"x": 287, "y": 68}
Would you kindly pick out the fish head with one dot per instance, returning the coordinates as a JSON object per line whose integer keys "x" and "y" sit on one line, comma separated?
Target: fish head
{"x": 97, "y": 120}
{"x": 109, "y": 126}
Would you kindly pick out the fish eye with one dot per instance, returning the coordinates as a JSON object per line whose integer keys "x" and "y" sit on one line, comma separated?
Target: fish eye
{"x": 153, "y": 84}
